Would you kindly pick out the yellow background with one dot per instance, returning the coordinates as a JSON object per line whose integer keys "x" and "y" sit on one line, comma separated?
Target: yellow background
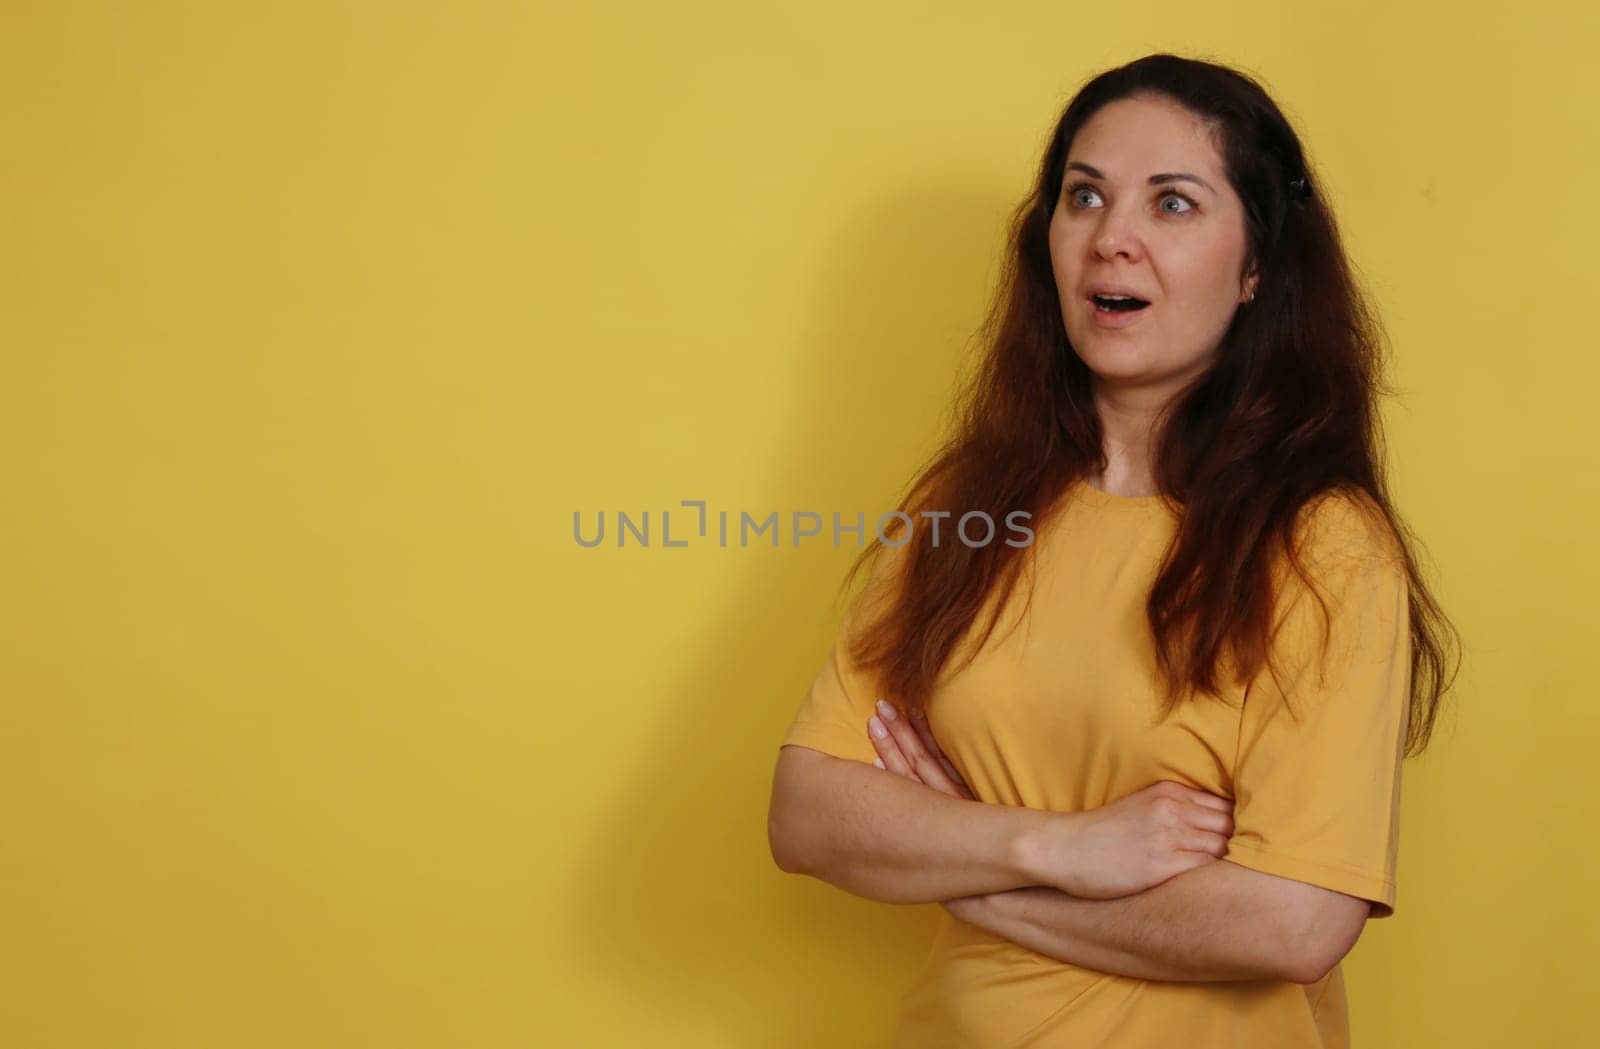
{"x": 320, "y": 320}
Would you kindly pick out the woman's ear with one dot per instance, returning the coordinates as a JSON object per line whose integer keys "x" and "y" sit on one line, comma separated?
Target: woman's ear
{"x": 1252, "y": 279}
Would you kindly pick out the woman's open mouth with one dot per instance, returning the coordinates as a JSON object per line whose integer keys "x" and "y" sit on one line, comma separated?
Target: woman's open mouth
{"x": 1117, "y": 311}
{"x": 1118, "y": 303}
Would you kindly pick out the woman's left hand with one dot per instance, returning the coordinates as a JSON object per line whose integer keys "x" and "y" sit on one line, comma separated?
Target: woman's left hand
{"x": 906, "y": 747}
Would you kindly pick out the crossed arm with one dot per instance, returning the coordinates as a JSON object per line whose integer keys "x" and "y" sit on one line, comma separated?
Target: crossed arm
{"x": 1218, "y": 921}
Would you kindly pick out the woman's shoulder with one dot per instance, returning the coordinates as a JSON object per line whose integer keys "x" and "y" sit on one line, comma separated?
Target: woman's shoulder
{"x": 1344, "y": 523}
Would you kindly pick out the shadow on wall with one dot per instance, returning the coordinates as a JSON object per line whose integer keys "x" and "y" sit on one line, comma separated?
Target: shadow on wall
{"x": 684, "y": 906}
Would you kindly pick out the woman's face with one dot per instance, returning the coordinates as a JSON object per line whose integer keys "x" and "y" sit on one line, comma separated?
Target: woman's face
{"x": 1179, "y": 244}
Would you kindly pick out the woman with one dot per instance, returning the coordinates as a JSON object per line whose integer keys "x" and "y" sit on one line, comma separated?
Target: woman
{"x": 1158, "y": 790}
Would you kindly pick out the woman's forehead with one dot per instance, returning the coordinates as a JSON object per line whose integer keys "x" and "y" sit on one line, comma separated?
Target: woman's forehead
{"x": 1135, "y": 138}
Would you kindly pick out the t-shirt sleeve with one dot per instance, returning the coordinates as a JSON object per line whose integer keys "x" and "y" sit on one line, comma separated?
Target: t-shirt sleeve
{"x": 1317, "y": 778}
{"x": 842, "y": 698}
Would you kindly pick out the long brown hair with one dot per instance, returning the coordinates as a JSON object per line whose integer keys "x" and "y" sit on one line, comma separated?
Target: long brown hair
{"x": 1287, "y": 414}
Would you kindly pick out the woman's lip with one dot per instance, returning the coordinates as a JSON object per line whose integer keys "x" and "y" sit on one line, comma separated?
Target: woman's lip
{"x": 1117, "y": 318}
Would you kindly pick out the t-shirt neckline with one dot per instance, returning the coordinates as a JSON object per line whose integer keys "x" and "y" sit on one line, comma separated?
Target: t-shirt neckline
{"x": 1105, "y": 500}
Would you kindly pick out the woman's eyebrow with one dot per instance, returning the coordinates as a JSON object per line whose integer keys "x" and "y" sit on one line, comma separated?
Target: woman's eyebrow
{"x": 1155, "y": 180}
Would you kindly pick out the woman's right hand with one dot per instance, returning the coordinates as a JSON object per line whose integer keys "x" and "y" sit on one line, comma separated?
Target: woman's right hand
{"x": 1132, "y": 844}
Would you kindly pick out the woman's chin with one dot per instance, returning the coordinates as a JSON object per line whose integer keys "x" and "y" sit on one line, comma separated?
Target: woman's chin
{"x": 1111, "y": 356}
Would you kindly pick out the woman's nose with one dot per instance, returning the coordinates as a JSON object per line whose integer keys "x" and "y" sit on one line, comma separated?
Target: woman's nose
{"x": 1115, "y": 237}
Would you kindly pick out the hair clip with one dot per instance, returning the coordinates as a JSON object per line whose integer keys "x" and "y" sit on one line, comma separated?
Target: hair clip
{"x": 1299, "y": 189}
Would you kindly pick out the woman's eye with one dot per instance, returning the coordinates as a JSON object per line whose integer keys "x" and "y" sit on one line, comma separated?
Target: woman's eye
{"x": 1078, "y": 191}
{"x": 1078, "y": 194}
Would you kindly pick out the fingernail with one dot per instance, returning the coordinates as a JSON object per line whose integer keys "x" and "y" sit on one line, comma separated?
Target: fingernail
{"x": 879, "y": 762}
{"x": 877, "y": 727}
{"x": 887, "y": 710}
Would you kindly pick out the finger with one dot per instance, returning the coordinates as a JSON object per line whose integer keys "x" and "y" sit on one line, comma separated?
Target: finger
{"x": 929, "y": 771}
{"x": 888, "y": 750}
{"x": 1210, "y": 844}
{"x": 1211, "y": 820}
{"x": 1210, "y": 801}
{"x": 924, "y": 732}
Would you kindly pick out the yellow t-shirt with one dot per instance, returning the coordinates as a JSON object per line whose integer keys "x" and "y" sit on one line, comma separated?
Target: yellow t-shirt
{"x": 1058, "y": 712}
